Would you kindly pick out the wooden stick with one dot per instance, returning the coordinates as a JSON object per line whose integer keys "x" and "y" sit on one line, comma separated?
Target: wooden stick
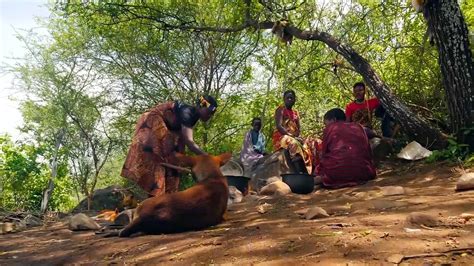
{"x": 437, "y": 254}
{"x": 179, "y": 168}
{"x": 313, "y": 253}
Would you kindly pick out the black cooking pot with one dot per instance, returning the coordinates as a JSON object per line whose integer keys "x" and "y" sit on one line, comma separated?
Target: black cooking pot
{"x": 239, "y": 182}
{"x": 299, "y": 183}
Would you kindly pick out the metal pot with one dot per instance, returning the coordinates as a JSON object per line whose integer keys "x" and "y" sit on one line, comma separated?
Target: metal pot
{"x": 239, "y": 182}
{"x": 299, "y": 183}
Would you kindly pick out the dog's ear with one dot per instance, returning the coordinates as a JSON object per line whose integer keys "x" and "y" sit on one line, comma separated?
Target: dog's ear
{"x": 224, "y": 158}
{"x": 183, "y": 160}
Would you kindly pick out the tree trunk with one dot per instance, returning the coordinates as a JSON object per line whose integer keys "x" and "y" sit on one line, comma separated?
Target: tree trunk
{"x": 447, "y": 26}
{"x": 89, "y": 201}
{"x": 48, "y": 191}
{"x": 413, "y": 125}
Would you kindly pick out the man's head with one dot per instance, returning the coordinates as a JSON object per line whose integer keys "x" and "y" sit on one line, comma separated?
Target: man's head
{"x": 289, "y": 98}
{"x": 257, "y": 124}
{"x": 207, "y": 106}
{"x": 358, "y": 90}
{"x": 334, "y": 115}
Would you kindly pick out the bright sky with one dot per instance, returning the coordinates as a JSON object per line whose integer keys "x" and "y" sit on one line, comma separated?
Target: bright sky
{"x": 15, "y": 15}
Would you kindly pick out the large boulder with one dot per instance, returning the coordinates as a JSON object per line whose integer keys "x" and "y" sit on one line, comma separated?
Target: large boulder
{"x": 271, "y": 166}
{"x": 110, "y": 198}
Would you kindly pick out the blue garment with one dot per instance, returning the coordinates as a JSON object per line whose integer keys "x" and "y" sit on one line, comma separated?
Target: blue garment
{"x": 258, "y": 141}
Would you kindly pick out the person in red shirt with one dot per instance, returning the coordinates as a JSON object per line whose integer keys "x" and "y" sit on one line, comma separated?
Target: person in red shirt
{"x": 361, "y": 111}
{"x": 346, "y": 158}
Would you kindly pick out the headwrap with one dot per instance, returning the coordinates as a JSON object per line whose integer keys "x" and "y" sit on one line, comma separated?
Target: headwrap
{"x": 208, "y": 102}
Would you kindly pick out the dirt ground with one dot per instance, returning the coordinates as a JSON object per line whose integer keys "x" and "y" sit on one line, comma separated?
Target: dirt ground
{"x": 365, "y": 227}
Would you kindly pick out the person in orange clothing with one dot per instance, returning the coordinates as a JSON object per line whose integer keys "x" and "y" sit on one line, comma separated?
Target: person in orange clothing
{"x": 302, "y": 152}
{"x": 159, "y": 133}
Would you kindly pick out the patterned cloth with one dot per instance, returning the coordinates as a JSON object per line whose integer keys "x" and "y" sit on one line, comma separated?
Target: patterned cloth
{"x": 306, "y": 148}
{"x": 152, "y": 144}
{"x": 251, "y": 153}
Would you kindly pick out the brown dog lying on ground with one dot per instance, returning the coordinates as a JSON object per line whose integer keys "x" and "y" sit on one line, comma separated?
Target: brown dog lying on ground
{"x": 198, "y": 207}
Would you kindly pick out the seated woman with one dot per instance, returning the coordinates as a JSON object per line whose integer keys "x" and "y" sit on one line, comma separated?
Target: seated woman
{"x": 159, "y": 133}
{"x": 287, "y": 135}
{"x": 253, "y": 148}
{"x": 346, "y": 158}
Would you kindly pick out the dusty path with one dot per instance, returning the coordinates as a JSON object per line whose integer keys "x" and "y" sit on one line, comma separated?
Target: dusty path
{"x": 365, "y": 228}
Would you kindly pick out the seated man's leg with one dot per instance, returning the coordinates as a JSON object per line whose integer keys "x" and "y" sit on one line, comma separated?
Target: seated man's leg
{"x": 387, "y": 122}
{"x": 387, "y": 126}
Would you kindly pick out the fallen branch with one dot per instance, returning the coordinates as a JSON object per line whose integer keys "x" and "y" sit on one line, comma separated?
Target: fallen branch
{"x": 313, "y": 253}
{"x": 437, "y": 254}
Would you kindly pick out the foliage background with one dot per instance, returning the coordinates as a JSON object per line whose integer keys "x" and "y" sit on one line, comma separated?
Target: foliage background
{"x": 100, "y": 68}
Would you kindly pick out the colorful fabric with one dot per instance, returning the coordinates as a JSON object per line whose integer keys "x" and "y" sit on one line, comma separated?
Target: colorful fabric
{"x": 361, "y": 112}
{"x": 298, "y": 147}
{"x": 305, "y": 148}
{"x": 251, "y": 153}
{"x": 153, "y": 143}
{"x": 315, "y": 146}
{"x": 346, "y": 156}
{"x": 290, "y": 120}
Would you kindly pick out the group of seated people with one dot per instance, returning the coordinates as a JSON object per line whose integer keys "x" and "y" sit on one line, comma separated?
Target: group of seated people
{"x": 342, "y": 158}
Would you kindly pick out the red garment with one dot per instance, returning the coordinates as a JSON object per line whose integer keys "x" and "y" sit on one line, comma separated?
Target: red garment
{"x": 346, "y": 157}
{"x": 290, "y": 120}
{"x": 352, "y": 107}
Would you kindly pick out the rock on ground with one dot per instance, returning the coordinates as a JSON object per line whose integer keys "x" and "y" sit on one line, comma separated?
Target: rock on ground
{"x": 465, "y": 182}
{"x": 315, "y": 213}
{"x": 273, "y": 179}
{"x": 419, "y": 219}
{"x": 7, "y": 227}
{"x": 392, "y": 190}
{"x": 235, "y": 196}
{"x": 276, "y": 188}
{"x": 81, "y": 221}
